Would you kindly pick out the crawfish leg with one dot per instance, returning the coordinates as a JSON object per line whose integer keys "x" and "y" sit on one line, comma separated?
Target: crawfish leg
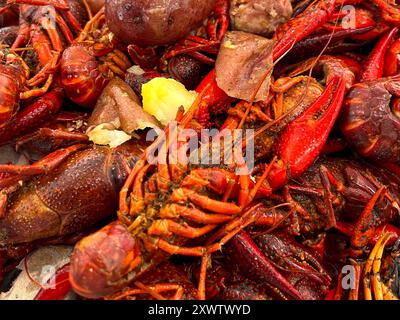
{"x": 137, "y": 194}
{"x": 193, "y": 214}
{"x": 41, "y": 44}
{"x": 33, "y": 116}
{"x": 354, "y": 292}
{"x": 367, "y": 223}
{"x": 69, "y": 37}
{"x": 163, "y": 175}
{"x": 204, "y": 202}
{"x": 167, "y": 226}
{"x": 316, "y": 15}
{"x": 205, "y": 252}
{"x": 40, "y": 76}
{"x": 155, "y": 291}
{"x": 22, "y": 37}
{"x": 57, "y": 137}
{"x": 219, "y": 24}
{"x": 373, "y": 265}
{"x": 42, "y": 166}
{"x": 52, "y": 33}
{"x": 205, "y": 262}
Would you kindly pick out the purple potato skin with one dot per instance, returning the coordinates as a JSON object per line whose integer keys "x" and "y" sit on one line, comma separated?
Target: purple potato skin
{"x": 155, "y": 22}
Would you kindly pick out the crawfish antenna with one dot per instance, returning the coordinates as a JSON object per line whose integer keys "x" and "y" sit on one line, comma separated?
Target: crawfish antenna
{"x": 193, "y": 108}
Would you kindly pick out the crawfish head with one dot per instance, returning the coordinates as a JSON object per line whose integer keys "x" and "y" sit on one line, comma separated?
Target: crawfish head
{"x": 91, "y": 62}
{"x": 102, "y": 263}
{"x": 81, "y": 76}
{"x": 370, "y": 119}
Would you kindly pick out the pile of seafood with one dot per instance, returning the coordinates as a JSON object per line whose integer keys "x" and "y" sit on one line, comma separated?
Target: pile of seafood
{"x": 315, "y": 84}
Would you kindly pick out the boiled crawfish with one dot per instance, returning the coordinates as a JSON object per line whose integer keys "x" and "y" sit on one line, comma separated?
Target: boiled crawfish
{"x": 30, "y": 72}
{"x": 19, "y": 85}
{"x": 91, "y": 62}
{"x": 52, "y": 212}
{"x": 333, "y": 193}
{"x": 152, "y": 228}
{"x": 62, "y": 195}
{"x": 370, "y": 119}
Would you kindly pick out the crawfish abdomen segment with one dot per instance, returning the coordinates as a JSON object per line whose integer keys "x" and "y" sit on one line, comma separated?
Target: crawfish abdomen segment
{"x": 368, "y": 122}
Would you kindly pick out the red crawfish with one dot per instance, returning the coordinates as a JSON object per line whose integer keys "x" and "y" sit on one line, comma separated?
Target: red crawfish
{"x": 155, "y": 221}
{"x": 18, "y": 84}
{"x": 25, "y": 78}
{"x": 334, "y": 193}
{"x": 49, "y": 25}
{"x": 91, "y": 61}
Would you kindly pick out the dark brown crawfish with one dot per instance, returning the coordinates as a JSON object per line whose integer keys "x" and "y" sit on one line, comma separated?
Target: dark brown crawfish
{"x": 336, "y": 190}
{"x": 269, "y": 257}
{"x": 350, "y": 196}
{"x": 370, "y": 119}
{"x": 71, "y": 190}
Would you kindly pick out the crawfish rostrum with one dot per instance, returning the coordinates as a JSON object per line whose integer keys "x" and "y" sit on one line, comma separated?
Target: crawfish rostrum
{"x": 318, "y": 88}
